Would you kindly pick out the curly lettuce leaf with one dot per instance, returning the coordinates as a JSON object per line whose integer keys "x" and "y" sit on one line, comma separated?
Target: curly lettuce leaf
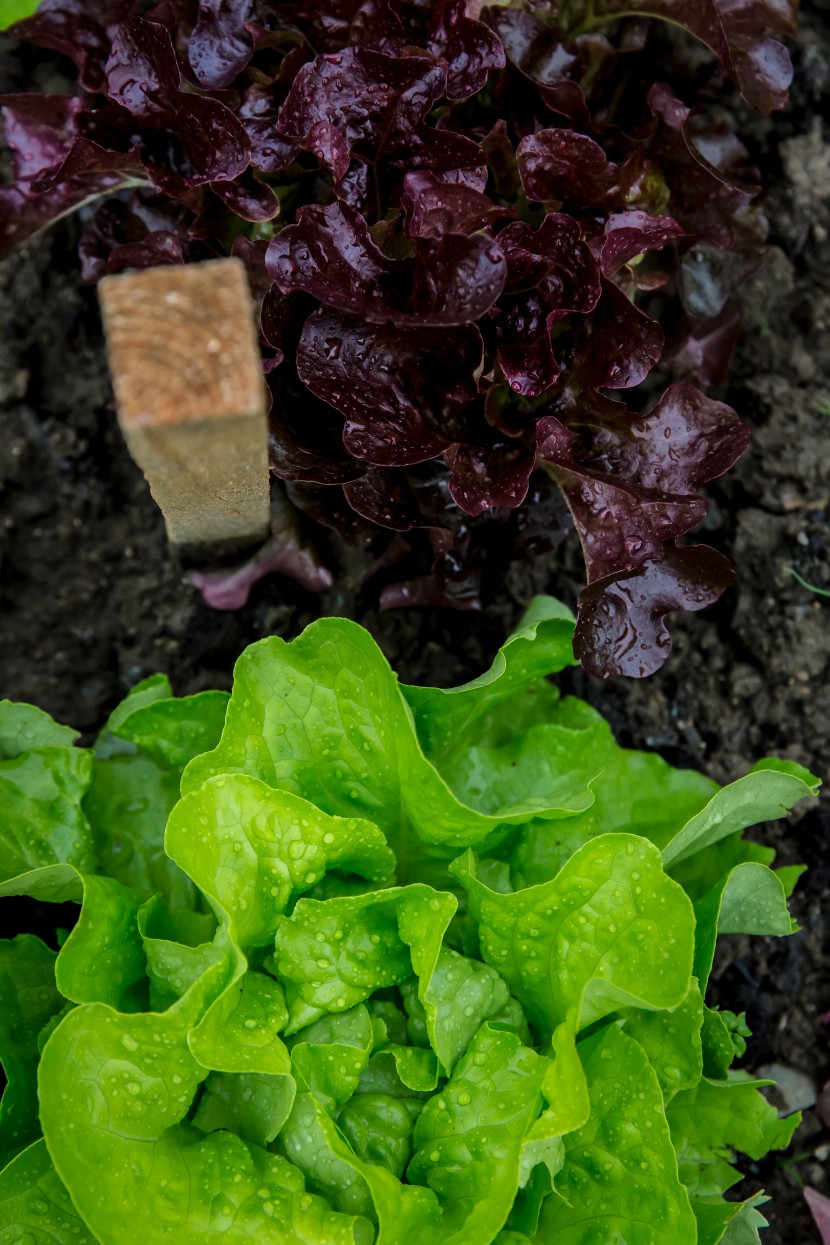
{"x": 43, "y": 823}
{"x": 767, "y": 792}
{"x": 459, "y": 996}
{"x": 28, "y": 999}
{"x": 672, "y": 1041}
{"x": 712, "y": 1121}
{"x": 445, "y": 718}
{"x": 468, "y": 1139}
{"x": 35, "y": 1208}
{"x": 738, "y": 34}
{"x": 300, "y": 1042}
{"x": 103, "y": 959}
{"x": 329, "y": 1056}
{"x": 454, "y": 247}
{"x": 250, "y": 849}
{"x": 620, "y": 1168}
{"x": 173, "y": 730}
{"x": 324, "y": 718}
{"x": 139, "y": 758}
{"x": 115, "y": 1091}
{"x": 750, "y": 899}
{"x": 253, "y": 1105}
{"x": 334, "y": 954}
{"x": 636, "y": 793}
{"x": 178, "y": 948}
{"x": 23, "y": 727}
{"x": 729, "y": 1223}
{"x": 611, "y": 928}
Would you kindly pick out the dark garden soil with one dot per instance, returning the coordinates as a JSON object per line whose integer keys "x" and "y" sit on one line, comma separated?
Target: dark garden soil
{"x": 92, "y": 599}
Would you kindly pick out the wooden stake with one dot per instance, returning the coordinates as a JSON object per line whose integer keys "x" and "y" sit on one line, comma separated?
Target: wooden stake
{"x": 191, "y": 399}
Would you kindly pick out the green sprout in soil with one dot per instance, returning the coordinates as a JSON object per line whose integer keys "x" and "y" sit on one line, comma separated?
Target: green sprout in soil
{"x": 819, "y": 592}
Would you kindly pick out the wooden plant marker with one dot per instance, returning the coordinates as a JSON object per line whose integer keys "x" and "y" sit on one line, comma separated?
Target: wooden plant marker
{"x": 191, "y": 398}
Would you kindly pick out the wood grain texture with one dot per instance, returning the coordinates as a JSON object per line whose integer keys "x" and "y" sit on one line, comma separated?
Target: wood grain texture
{"x": 188, "y": 384}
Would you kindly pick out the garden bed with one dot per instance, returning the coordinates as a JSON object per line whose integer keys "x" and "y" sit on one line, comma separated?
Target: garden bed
{"x": 92, "y": 598}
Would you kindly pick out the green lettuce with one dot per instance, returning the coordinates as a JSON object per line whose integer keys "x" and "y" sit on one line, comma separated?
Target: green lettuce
{"x": 360, "y": 964}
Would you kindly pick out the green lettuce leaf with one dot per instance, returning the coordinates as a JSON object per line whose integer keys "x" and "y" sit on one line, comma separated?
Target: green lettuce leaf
{"x": 751, "y": 899}
{"x": 636, "y": 793}
{"x": 253, "y": 1105}
{"x": 769, "y": 791}
{"x": 672, "y": 1041}
{"x": 173, "y": 730}
{"x": 102, "y": 960}
{"x": 139, "y": 758}
{"x": 325, "y": 718}
{"x": 448, "y": 717}
{"x": 468, "y": 1139}
{"x": 296, "y": 1007}
{"x": 23, "y": 727}
{"x": 335, "y": 954}
{"x": 35, "y": 1208}
{"x": 379, "y": 1129}
{"x": 715, "y": 1119}
{"x": 43, "y": 824}
{"x": 729, "y": 1223}
{"x": 250, "y": 849}
{"x": 611, "y": 928}
{"x": 179, "y": 947}
{"x": 28, "y": 999}
{"x": 114, "y": 1092}
{"x": 620, "y": 1174}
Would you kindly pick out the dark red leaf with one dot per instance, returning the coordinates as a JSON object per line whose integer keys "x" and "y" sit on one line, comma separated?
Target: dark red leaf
{"x": 345, "y": 23}
{"x": 621, "y": 523}
{"x": 248, "y": 197}
{"x": 551, "y": 274}
{"x": 429, "y": 591}
{"x": 385, "y": 497}
{"x": 737, "y": 31}
{"x": 79, "y": 30}
{"x": 544, "y": 56}
{"x": 221, "y": 43}
{"x": 146, "y": 230}
{"x": 55, "y": 169}
{"x": 683, "y": 442}
{"x": 630, "y": 234}
{"x": 143, "y": 76}
{"x": 305, "y": 436}
{"x": 620, "y": 627}
{"x": 270, "y": 153}
{"x": 289, "y": 551}
{"x": 364, "y": 160}
{"x": 633, "y": 483}
{"x": 378, "y": 104}
{"x": 495, "y": 474}
{"x": 472, "y": 51}
{"x": 395, "y": 386}
{"x": 434, "y": 207}
{"x": 158, "y": 248}
{"x": 703, "y": 349}
{"x": 618, "y": 343}
{"x": 330, "y": 254}
{"x": 707, "y": 167}
{"x": 563, "y": 166}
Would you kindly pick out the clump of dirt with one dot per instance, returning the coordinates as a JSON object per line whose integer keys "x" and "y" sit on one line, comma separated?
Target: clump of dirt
{"x": 92, "y": 599}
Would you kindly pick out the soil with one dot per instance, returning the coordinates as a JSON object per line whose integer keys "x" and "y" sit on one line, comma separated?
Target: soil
{"x": 92, "y": 598}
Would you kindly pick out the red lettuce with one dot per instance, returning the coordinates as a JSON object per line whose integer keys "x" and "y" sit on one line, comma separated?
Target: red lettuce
{"x": 467, "y": 228}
